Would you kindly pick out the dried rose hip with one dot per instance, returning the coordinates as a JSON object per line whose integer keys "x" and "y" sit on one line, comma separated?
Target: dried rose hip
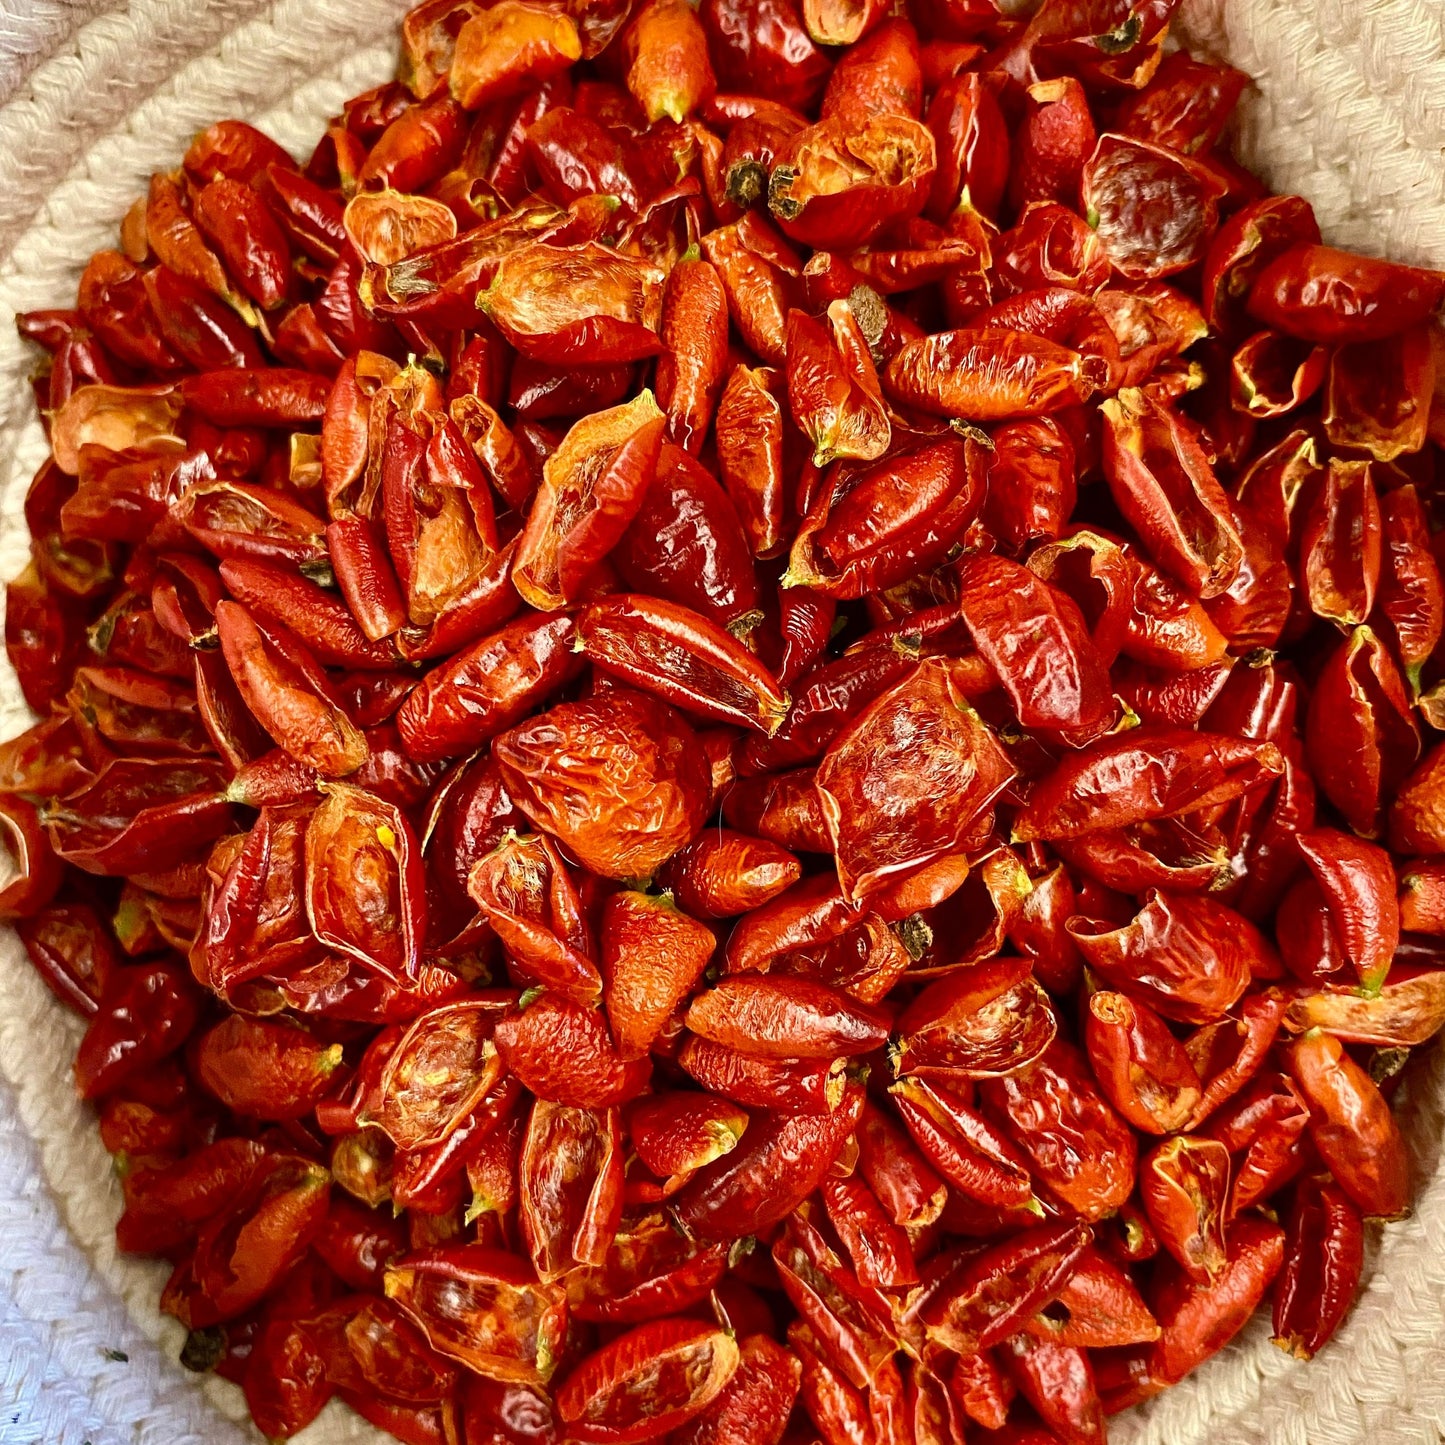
{"x": 737, "y": 729}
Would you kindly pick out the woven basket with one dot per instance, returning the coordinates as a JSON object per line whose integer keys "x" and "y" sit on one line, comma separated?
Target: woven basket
{"x": 96, "y": 94}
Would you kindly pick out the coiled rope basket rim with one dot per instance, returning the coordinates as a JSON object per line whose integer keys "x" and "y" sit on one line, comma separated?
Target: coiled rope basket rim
{"x": 94, "y": 96}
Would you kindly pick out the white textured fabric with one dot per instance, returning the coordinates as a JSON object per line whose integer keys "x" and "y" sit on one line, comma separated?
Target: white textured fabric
{"x": 97, "y": 94}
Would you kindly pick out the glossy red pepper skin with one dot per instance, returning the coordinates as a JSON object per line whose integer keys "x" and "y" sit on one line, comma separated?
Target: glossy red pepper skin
{"x": 1198, "y": 1319}
{"x": 1170, "y": 771}
{"x": 1037, "y": 644}
{"x": 691, "y": 369}
{"x": 682, "y": 657}
{"x": 562, "y": 1052}
{"x": 71, "y": 952}
{"x": 1343, "y": 1098}
{"x": 561, "y": 544}
{"x": 966, "y": 1149}
{"x": 765, "y": 52}
{"x": 1410, "y": 592}
{"x": 1372, "y": 727}
{"x": 1058, "y": 1381}
{"x": 972, "y": 141}
{"x": 138, "y": 815}
{"x": 759, "y": 272}
{"x": 1075, "y": 1142}
{"x": 1163, "y": 483}
{"x": 1324, "y": 1255}
{"x": 869, "y": 529}
{"x": 145, "y": 1014}
{"x": 738, "y": 866}
{"x": 485, "y": 688}
{"x": 43, "y": 638}
{"x": 1142, "y": 1069}
{"x": 445, "y": 1290}
{"x": 780, "y": 1162}
{"x": 1244, "y": 245}
{"x": 243, "y": 1253}
{"x": 284, "y": 687}
{"x": 749, "y": 434}
{"x": 787, "y": 1018}
{"x": 1187, "y": 956}
{"x": 796, "y": 1086}
{"x": 1341, "y": 545}
{"x": 324, "y": 624}
{"x": 1320, "y": 294}
{"x": 661, "y": 791}
{"x": 754, "y": 1405}
{"x": 983, "y": 1302}
{"x": 1157, "y": 211}
{"x": 652, "y": 955}
{"x": 883, "y": 814}
{"x": 686, "y": 1364}
{"x": 990, "y": 375}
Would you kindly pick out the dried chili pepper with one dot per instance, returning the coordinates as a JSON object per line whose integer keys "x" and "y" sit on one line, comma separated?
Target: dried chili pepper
{"x": 788, "y": 890}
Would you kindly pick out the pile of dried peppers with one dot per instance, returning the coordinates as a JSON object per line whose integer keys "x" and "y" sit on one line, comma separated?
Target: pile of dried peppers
{"x": 738, "y": 729}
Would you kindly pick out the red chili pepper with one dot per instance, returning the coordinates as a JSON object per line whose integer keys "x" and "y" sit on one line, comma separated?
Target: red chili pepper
{"x": 276, "y": 397}
{"x": 799, "y": 1086}
{"x": 500, "y": 51}
{"x": 610, "y": 459}
{"x": 872, "y": 527}
{"x": 570, "y": 1187}
{"x": 1320, "y": 294}
{"x": 984, "y": 1301}
{"x": 648, "y": 1381}
{"x": 693, "y": 329}
{"x": 1187, "y": 956}
{"x": 1324, "y": 1256}
{"x": 481, "y": 690}
{"x": 285, "y": 688}
{"x": 1198, "y": 1319}
{"x": 972, "y": 142}
{"x": 659, "y": 794}
{"x": 754, "y": 1405}
{"x": 1077, "y": 1145}
{"x": 562, "y": 1051}
{"x": 652, "y": 956}
{"x": 145, "y": 1013}
{"x": 482, "y": 1307}
{"x": 966, "y": 1149}
{"x": 765, "y": 52}
{"x": 1102, "y": 1306}
{"x": 991, "y": 374}
{"x": 1154, "y": 209}
{"x": 1162, "y": 481}
{"x": 1049, "y": 246}
{"x": 681, "y": 657}
{"x": 70, "y": 950}
{"x": 139, "y": 815}
{"x": 1358, "y": 711}
{"x": 1352, "y": 1126}
{"x": 1228, "y": 1054}
{"x": 557, "y": 924}
{"x": 1141, "y": 1067}
{"x": 1170, "y": 772}
{"x": 378, "y": 914}
{"x": 1406, "y": 1011}
{"x": 780, "y": 1161}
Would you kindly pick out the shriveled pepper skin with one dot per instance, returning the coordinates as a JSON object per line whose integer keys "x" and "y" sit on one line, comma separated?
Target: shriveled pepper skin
{"x": 736, "y": 729}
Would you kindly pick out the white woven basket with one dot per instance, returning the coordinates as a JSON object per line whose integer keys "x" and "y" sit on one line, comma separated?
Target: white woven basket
{"x": 96, "y": 94}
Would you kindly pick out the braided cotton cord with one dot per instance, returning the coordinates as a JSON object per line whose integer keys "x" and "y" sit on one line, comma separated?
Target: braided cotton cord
{"x": 1348, "y": 112}
{"x": 97, "y": 95}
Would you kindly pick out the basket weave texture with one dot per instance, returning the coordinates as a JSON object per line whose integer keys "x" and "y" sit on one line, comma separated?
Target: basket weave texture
{"x": 96, "y": 94}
